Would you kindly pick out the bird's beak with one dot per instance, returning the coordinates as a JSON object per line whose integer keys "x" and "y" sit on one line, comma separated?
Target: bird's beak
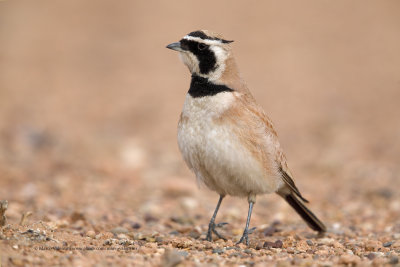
{"x": 175, "y": 46}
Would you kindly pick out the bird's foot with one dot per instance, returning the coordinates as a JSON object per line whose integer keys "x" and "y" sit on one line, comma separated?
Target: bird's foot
{"x": 245, "y": 236}
{"x": 211, "y": 229}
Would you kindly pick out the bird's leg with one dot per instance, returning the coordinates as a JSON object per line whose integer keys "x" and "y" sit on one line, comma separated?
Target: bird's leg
{"x": 247, "y": 231}
{"x": 212, "y": 225}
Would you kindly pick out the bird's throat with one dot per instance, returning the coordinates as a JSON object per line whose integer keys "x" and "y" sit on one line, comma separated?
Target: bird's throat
{"x": 201, "y": 87}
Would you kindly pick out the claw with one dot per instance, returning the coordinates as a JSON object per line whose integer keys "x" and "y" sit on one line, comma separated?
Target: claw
{"x": 211, "y": 229}
{"x": 245, "y": 236}
{"x": 252, "y": 230}
{"x": 219, "y": 225}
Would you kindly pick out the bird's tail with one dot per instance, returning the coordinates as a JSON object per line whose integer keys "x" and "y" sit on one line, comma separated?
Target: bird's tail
{"x": 304, "y": 212}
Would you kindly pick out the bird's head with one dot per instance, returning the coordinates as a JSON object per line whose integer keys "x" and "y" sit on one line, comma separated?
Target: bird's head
{"x": 204, "y": 53}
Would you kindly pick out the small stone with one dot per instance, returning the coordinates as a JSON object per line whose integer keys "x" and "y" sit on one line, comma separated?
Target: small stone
{"x": 122, "y": 236}
{"x": 283, "y": 263}
{"x": 194, "y": 234}
{"x": 387, "y": 244}
{"x": 349, "y": 259}
{"x": 309, "y": 242}
{"x": 151, "y": 245}
{"x": 3, "y": 208}
{"x": 372, "y": 245}
{"x": 396, "y": 244}
{"x": 302, "y": 246}
{"x": 394, "y": 260}
{"x": 61, "y": 224}
{"x": 119, "y": 230}
{"x": 269, "y": 231}
{"x": 91, "y": 234}
{"x": 98, "y": 236}
{"x": 150, "y": 218}
{"x": 189, "y": 203}
{"x": 268, "y": 244}
{"x": 259, "y": 245}
{"x": 183, "y": 253}
{"x": 371, "y": 256}
{"x": 17, "y": 262}
{"x": 15, "y": 247}
{"x": 174, "y": 232}
{"x": 77, "y": 216}
{"x": 146, "y": 250}
{"x": 276, "y": 244}
{"x": 136, "y": 225}
{"x": 336, "y": 244}
{"x": 171, "y": 258}
{"x": 218, "y": 250}
{"x": 326, "y": 241}
{"x": 108, "y": 242}
{"x": 248, "y": 251}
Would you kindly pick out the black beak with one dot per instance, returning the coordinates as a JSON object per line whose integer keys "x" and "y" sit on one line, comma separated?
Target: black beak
{"x": 175, "y": 46}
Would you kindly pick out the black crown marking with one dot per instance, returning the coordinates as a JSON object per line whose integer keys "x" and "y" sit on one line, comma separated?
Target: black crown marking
{"x": 204, "y": 36}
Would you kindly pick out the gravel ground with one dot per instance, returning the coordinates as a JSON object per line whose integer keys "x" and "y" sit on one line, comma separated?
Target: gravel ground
{"x": 89, "y": 102}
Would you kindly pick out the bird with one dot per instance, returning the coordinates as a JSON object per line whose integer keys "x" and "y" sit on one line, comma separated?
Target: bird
{"x": 226, "y": 138}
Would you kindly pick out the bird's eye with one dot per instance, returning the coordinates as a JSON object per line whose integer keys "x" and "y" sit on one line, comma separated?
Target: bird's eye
{"x": 201, "y": 46}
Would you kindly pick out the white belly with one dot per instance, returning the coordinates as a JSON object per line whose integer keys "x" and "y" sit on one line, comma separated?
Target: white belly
{"x": 215, "y": 154}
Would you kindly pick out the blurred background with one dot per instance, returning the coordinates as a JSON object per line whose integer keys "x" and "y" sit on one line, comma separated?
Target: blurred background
{"x": 90, "y": 100}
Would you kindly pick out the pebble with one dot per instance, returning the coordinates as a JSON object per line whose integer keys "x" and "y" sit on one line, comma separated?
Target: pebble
{"x": 194, "y": 234}
{"x": 349, "y": 259}
{"x": 372, "y": 245}
{"x": 136, "y": 225}
{"x": 248, "y": 251}
{"x": 146, "y": 250}
{"x": 91, "y": 234}
{"x": 326, "y": 241}
{"x": 387, "y": 244}
{"x": 394, "y": 260}
{"x": 276, "y": 244}
{"x": 337, "y": 245}
{"x": 77, "y": 216}
{"x": 396, "y": 244}
{"x": 171, "y": 258}
{"x": 189, "y": 203}
{"x": 259, "y": 245}
{"x": 119, "y": 230}
{"x": 122, "y": 236}
{"x": 99, "y": 236}
{"x": 302, "y": 246}
{"x": 309, "y": 242}
{"x": 17, "y": 262}
{"x": 174, "y": 232}
{"x": 218, "y": 250}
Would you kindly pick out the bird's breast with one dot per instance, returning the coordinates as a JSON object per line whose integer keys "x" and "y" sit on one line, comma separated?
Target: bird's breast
{"x": 213, "y": 150}
{"x": 197, "y": 129}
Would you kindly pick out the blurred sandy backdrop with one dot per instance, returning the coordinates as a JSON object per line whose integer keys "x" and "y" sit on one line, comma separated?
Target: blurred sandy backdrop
{"x": 90, "y": 99}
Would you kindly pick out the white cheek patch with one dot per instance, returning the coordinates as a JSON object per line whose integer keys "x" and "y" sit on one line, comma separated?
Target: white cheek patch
{"x": 221, "y": 55}
{"x": 190, "y": 61}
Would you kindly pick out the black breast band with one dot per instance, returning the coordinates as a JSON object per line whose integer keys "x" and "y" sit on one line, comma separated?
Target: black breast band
{"x": 200, "y": 87}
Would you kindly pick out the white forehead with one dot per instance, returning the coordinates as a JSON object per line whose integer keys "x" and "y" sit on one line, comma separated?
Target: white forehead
{"x": 205, "y": 41}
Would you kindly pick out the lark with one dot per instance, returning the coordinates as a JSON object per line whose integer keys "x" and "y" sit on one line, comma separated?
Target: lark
{"x": 225, "y": 137}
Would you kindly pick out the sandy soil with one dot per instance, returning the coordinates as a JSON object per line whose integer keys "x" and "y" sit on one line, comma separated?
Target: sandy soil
{"x": 89, "y": 102}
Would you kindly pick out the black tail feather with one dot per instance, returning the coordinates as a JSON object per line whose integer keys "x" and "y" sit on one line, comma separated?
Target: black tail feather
{"x": 305, "y": 213}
